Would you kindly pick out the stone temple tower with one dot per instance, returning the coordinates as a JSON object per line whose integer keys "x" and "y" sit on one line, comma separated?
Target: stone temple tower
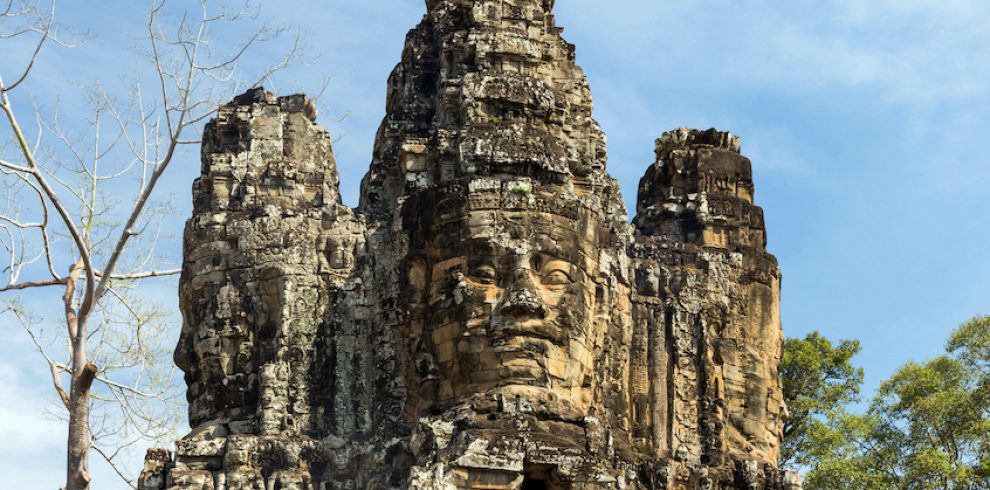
{"x": 487, "y": 318}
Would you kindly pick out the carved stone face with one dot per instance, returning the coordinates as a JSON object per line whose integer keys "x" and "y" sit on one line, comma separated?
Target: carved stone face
{"x": 217, "y": 348}
{"x": 512, "y": 301}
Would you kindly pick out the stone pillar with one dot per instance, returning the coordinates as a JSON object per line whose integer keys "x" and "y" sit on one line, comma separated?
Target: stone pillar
{"x": 702, "y": 267}
{"x": 257, "y": 280}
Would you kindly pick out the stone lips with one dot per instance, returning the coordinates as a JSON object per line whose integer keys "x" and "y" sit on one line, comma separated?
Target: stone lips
{"x": 503, "y": 275}
{"x": 268, "y": 179}
{"x": 487, "y": 317}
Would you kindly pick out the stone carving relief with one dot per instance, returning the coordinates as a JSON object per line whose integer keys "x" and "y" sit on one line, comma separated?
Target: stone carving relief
{"x": 509, "y": 297}
{"x": 487, "y": 317}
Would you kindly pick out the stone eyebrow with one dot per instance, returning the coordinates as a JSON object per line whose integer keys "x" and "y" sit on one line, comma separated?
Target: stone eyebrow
{"x": 549, "y": 246}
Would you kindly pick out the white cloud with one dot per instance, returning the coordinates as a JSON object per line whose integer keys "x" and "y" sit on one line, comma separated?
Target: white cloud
{"x": 658, "y": 65}
{"x": 19, "y": 424}
{"x": 32, "y": 441}
{"x": 31, "y": 445}
{"x": 910, "y": 52}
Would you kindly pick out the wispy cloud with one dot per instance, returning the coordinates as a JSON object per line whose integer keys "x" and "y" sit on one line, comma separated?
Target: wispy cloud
{"x": 918, "y": 52}
{"x": 865, "y": 120}
{"x": 31, "y": 445}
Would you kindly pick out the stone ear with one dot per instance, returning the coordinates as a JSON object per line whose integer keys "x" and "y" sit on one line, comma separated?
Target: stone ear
{"x": 417, "y": 278}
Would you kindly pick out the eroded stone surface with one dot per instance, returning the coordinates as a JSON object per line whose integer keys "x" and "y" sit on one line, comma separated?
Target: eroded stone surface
{"x": 487, "y": 318}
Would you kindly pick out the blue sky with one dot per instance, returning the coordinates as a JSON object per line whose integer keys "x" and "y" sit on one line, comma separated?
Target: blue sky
{"x": 866, "y": 121}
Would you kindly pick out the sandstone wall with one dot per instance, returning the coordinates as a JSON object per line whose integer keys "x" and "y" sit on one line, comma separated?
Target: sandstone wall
{"x": 705, "y": 390}
{"x": 487, "y": 317}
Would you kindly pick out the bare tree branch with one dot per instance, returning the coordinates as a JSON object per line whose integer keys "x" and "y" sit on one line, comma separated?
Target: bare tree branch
{"x": 64, "y": 202}
{"x": 110, "y": 460}
{"x": 14, "y": 167}
{"x": 37, "y": 49}
{"x": 18, "y": 224}
{"x": 50, "y": 194}
{"x": 58, "y": 383}
{"x": 144, "y": 275}
{"x": 54, "y": 367}
{"x": 129, "y": 389}
{"x": 33, "y": 284}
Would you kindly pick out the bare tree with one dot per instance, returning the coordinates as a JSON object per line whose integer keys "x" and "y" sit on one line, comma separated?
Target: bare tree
{"x": 79, "y": 216}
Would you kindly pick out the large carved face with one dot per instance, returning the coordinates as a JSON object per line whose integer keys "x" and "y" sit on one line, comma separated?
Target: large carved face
{"x": 511, "y": 298}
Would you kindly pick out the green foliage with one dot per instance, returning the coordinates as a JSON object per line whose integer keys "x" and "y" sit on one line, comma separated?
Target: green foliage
{"x": 818, "y": 378}
{"x": 971, "y": 343}
{"x": 838, "y": 460}
{"x": 938, "y": 415}
{"x": 927, "y": 428}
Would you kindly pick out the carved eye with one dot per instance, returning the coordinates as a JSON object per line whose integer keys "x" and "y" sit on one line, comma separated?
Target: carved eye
{"x": 484, "y": 274}
{"x": 556, "y": 273}
{"x": 556, "y": 278}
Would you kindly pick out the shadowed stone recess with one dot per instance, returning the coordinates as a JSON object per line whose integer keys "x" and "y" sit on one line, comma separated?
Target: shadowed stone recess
{"x": 487, "y": 318}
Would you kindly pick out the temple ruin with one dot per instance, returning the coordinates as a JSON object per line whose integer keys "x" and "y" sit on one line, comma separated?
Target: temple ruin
{"x": 488, "y": 317}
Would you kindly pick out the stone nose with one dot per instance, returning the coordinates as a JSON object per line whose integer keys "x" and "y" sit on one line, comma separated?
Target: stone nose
{"x": 522, "y": 299}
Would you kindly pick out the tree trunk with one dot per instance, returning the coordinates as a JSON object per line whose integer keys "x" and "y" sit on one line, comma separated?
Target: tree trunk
{"x": 77, "y": 467}
{"x": 83, "y": 374}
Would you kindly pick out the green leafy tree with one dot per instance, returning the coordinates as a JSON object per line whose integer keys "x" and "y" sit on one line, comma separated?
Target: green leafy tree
{"x": 927, "y": 428}
{"x": 842, "y": 454}
{"x": 818, "y": 379}
{"x": 938, "y": 414}
{"x": 970, "y": 343}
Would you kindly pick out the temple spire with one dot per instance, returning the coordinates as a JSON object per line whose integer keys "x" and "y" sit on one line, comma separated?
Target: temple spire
{"x": 486, "y": 87}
